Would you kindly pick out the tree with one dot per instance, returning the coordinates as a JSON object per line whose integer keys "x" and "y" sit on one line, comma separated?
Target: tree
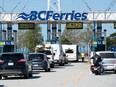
{"x": 30, "y": 38}
{"x": 33, "y": 38}
{"x": 79, "y": 36}
{"x": 21, "y": 39}
{"x": 111, "y": 40}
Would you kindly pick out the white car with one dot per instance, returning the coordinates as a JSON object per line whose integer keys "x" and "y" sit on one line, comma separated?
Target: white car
{"x": 109, "y": 60}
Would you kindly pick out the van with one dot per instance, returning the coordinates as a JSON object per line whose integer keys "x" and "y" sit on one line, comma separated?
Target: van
{"x": 71, "y": 52}
{"x": 58, "y": 54}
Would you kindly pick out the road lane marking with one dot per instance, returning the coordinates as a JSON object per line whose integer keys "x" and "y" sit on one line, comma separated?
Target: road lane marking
{"x": 79, "y": 78}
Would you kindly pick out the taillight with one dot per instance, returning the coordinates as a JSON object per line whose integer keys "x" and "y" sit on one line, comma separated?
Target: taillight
{"x": 21, "y": 61}
{"x": 59, "y": 56}
{"x": 1, "y": 61}
{"x": 115, "y": 62}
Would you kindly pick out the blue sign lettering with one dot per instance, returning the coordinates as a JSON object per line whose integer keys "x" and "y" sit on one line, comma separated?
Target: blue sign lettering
{"x": 47, "y": 15}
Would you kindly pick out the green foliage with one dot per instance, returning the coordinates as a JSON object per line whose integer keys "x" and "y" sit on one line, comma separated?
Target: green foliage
{"x": 111, "y": 40}
{"x": 64, "y": 40}
{"x": 30, "y": 38}
{"x": 33, "y": 38}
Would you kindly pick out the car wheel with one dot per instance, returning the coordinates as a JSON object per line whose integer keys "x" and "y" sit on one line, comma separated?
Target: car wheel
{"x": 61, "y": 64}
{"x": 115, "y": 71}
{"x": 77, "y": 59}
{"x": 30, "y": 74}
{"x": 5, "y": 77}
{"x": 0, "y": 77}
{"x": 26, "y": 76}
{"x": 48, "y": 69}
{"x": 52, "y": 65}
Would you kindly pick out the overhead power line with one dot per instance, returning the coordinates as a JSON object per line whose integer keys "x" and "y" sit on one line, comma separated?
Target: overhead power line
{"x": 2, "y": 9}
{"x": 25, "y": 5}
{"x": 110, "y": 5}
{"x": 87, "y": 5}
{"x": 16, "y": 5}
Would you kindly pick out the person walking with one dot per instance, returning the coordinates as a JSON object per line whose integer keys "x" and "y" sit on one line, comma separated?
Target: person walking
{"x": 82, "y": 56}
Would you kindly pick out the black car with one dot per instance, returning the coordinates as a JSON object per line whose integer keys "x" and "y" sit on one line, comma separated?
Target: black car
{"x": 12, "y": 63}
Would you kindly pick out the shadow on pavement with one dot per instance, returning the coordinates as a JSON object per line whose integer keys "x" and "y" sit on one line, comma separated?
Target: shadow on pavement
{"x": 2, "y": 86}
{"x": 21, "y": 78}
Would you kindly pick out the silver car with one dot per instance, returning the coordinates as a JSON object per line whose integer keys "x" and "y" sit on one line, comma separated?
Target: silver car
{"x": 109, "y": 60}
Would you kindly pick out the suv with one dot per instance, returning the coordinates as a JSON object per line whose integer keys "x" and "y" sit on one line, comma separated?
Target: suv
{"x": 12, "y": 63}
{"x": 50, "y": 55}
{"x": 39, "y": 61}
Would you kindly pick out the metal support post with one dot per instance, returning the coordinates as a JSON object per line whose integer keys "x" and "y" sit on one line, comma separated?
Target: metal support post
{"x": 54, "y": 32}
{"x": 48, "y": 32}
{"x": 9, "y": 28}
{"x": 15, "y": 40}
{"x": 3, "y": 35}
{"x": 105, "y": 39}
{"x": 99, "y": 31}
{"x": 59, "y": 32}
{"x": 0, "y": 31}
{"x": 94, "y": 37}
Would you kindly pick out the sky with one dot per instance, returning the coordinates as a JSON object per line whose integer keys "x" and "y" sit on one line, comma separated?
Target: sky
{"x": 66, "y": 6}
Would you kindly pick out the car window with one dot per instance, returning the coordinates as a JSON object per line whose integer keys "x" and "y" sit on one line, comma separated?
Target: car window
{"x": 36, "y": 56}
{"x": 11, "y": 56}
{"x": 47, "y": 52}
{"x": 69, "y": 51}
{"x": 107, "y": 55}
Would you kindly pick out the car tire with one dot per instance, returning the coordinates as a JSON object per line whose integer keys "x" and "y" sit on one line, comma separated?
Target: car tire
{"x": 30, "y": 74}
{"x": 61, "y": 64}
{"x": 26, "y": 76}
{"x": 48, "y": 69}
{"x": 52, "y": 65}
{"x": 115, "y": 71}
{"x": 0, "y": 77}
{"x": 5, "y": 77}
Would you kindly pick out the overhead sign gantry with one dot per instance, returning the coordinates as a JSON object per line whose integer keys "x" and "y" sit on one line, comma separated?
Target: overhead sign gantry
{"x": 104, "y": 17}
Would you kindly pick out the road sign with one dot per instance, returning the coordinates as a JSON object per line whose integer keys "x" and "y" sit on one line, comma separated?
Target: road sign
{"x": 2, "y": 43}
{"x": 7, "y": 42}
{"x": 23, "y": 26}
{"x": 74, "y": 25}
{"x": 94, "y": 43}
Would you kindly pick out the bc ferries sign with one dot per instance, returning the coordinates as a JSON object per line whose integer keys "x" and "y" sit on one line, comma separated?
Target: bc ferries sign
{"x": 51, "y": 15}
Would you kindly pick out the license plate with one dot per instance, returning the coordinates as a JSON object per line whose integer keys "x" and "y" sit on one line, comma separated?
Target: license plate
{"x": 35, "y": 65}
{"x": 110, "y": 67}
{"x": 10, "y": 64}
{"x": 95, "y": 68}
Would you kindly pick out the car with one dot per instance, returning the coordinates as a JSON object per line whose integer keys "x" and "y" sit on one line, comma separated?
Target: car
{"x": 40, "y": 61}
{"x": 50, "y": 55}
{"x": 14, "y": 63}
{"x": 108, "y": 60}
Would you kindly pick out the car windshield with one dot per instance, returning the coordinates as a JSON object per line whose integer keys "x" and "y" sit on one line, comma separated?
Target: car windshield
{"x": 11, "y": 56}
{"x": 107, "y": 55}
{"x": 47, "y": 52}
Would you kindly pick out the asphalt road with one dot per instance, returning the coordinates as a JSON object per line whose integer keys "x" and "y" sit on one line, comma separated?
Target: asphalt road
{"x": 70, "y": 75}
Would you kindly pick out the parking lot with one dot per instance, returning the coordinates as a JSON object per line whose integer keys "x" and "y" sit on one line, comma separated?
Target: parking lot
{"x": 72, "y": 74}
